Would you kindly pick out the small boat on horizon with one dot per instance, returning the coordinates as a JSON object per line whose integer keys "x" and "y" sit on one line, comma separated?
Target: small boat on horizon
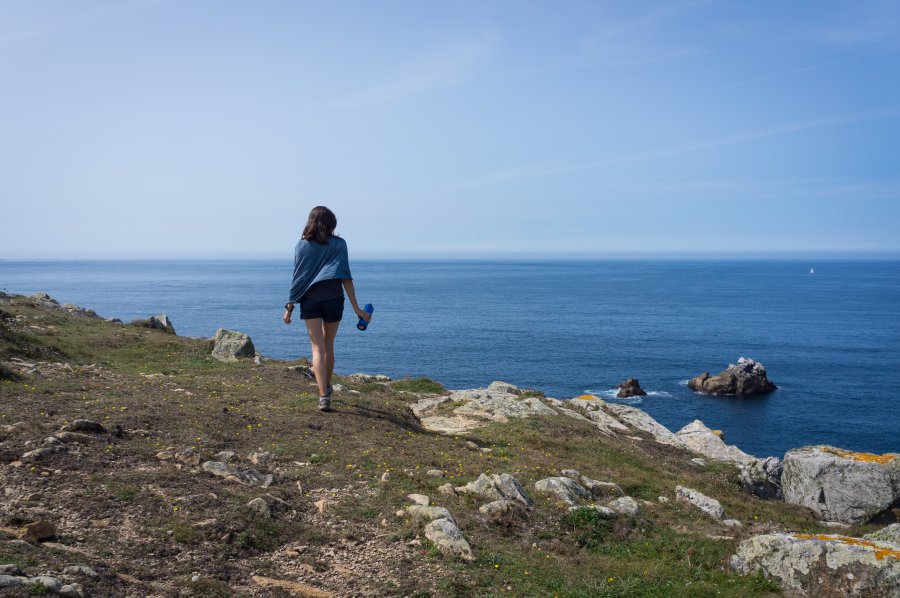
{"x": 812, "y": 270}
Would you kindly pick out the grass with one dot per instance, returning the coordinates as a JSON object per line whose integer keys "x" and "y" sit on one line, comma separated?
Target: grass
{"x": 339, "y": 457}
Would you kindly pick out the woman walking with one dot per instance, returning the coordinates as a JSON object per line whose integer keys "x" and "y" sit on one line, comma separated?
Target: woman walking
{"x": 321, "y": 273}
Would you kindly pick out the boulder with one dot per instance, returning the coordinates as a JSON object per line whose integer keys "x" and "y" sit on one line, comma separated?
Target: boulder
{"x": 86, "y": 426}
{"x": 762, "y": 477}
{"x": 890, "y": 534}
{"x": 699, "y": 438}
{"x": 595, "y": 487}
{"x": 37, "y": 531}
{"x": 496, "y": 487}
{"x": 260, "y": 506}
{"x": 161, "y": 322}
{"x": 841, "y": 485}
{"x": 448, "y": 538}
{"x": 10, "y": 581}
{"x": 746, "y": 377}
{"x": 630, "y": 388}
{"x": 823, "y": 565}
{"x": 708, "y": 505}
{"x": 563, "y": 489}
{"x": 231, "y": 345}
{"x": 420, "y": 513}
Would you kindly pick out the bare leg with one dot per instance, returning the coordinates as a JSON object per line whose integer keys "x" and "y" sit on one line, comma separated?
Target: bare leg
{"x": 331, "y": 329}
{"x": 319, "y": 353}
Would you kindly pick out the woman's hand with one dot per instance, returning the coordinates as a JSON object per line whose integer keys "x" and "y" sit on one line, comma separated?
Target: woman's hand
{"x": 287, "y": 316}
{"x": 363, "y": 314}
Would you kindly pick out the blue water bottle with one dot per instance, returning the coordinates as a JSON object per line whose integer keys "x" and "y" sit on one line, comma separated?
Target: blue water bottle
{"x": 362, "y": 324}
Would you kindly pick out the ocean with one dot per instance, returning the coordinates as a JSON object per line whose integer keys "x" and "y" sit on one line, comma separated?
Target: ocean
{"x": 829, "y": 340}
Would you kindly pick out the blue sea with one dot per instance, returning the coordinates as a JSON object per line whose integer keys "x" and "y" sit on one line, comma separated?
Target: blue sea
{"x": 829, "y": 340}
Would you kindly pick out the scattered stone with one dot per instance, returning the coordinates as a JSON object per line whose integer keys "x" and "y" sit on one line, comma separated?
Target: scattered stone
{"x": 448, "y": 538}
{"x": 495, "y": 487}
{"x": 260, "y": 506}
{"x": 435, "y": 473}
{"x": 504, "y": 511}
{"x": 419, "y": 499}
{"x": 747, "y": 377}
{"x": 43, "y": 453}
{"x": 341, "y": 389}
{"x": 292, "y": 587}
{"x": 11, "y": 570}
{"x": 699, "y": 438}
{"x": 471, "y": 445}
{"x": 161, "y": 322}
{"x": 762, "y": 477}
{"x": 822, "y": 565}
{"x": 72, "y": 590}
{"x": 85, "y": 425}
{"x": 304, "y": 370}
{"x": 841, "y": 485}
{"x": 732, "y": 523}
{"x": 231, "y": 345}
{"x": 226, "y": 456}
{"x": 68, "y": 437}
{"x": 630, "y": 388}
{"x": 188, "y": 457}
{"x": 422, "y": 513}
{"x": 9, "y": 581}
{"x": 625, "y": 505}
{"x": 320, "y": 505}
{"x": 447, "y": 490}
{"x": 385, "y": 476}
{"x": 80, "y": 570}
{"x": 51, "y": 583}
{"x": 708, "y": 505}
{"x": 246, "y": 476}
{"x": 360, "y": 378}
{"x": 564, "y": 489}
{"x": 37, "y": 531}
{"x": 662, "y": 499}
{"x": 260, "y": 458}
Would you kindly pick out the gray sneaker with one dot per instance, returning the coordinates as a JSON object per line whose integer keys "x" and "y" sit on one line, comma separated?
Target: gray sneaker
{"x": 324, "y": 403}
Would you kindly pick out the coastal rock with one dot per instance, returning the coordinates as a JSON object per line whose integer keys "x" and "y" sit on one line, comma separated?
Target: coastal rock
{"x": 360, "y": 378}
{"x": 231, "y": 345}
{"x": 762, "y": 477}
{"x": 496, "y": 487}
{"x": 746, "y": 377}
{"x": 708, "y": 505}
{"x": 448, "y": 538}
{"x": 563, "y": 489}
{"x": 841, "y": 485}
{"x": 465, "y": 410}
{"x": 699, "y": 438}
{"x": 823, "y": 565}
{"x": 640, "y": 420}
{"x": 890, "y": 534}
{"x": 595, "y": 487}
{"x": 630, "y": 388}
{"x": 161, "y": 322}
{"x": 420, "y": 513}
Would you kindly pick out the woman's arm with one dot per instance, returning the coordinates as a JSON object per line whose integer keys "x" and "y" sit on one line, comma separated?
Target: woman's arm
{"x": 351, "y": 293}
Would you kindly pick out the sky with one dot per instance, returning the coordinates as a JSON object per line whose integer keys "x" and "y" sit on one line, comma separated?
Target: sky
{"x": 209, "y": 128}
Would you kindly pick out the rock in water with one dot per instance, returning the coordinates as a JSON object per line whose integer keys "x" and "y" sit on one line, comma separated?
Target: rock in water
{"x": 161, "y": 322}
{"x": 231, "y": 345}
{"x": 747, "y": 377}
{"x": 841, "y": 485}
{"x": 630, "y": 388}
{"x": 823, "y": 565}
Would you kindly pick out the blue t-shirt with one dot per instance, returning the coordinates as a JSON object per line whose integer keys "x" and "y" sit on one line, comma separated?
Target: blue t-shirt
{"x": 315, "y": 262}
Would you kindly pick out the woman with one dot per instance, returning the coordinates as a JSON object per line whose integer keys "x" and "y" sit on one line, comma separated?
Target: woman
{"x": 321, "y": 268}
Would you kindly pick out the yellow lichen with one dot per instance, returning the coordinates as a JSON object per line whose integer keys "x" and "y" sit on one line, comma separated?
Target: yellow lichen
{"x": 880, "y": 551}
{"x": 868, "y": 457}
{"x": 586, "y": 398}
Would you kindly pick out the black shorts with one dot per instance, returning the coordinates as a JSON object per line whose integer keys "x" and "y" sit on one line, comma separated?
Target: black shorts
{"x": 330, "y": 310}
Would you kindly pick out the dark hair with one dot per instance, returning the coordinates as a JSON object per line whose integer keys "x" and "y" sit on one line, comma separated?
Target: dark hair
{"x": 320, "y": 226}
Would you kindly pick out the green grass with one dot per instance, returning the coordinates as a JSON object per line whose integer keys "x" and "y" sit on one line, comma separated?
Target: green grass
{"x": 421, "y": 385}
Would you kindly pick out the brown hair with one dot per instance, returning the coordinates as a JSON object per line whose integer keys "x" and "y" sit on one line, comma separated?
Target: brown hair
{"x": 320, "y": 226}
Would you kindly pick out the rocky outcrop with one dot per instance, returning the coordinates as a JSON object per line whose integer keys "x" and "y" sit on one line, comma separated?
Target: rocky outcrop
{"x": 697, "y": 437}
{"x": 497, "y": 487}
{"x": 563, "y": 489}
{"x": 746, "y": 377}
{"x": 890, "y": 534}
{"x": 504, "y": 512}
{"x": 250, "y": 477}
{"x": 823, "y": 565}
{"x": 630, "y": 388}
{"x": 161, "y": 322}
{"x": 360, "y": 378}
{"x": 448, "y": 538}
{"x": 762, "y": 477}
{"x": 231, "y": 345}
{"x": 841, "y": 485}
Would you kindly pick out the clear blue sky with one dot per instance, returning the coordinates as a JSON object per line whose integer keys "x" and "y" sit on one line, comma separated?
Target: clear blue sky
{"x": 209, "y": 129}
